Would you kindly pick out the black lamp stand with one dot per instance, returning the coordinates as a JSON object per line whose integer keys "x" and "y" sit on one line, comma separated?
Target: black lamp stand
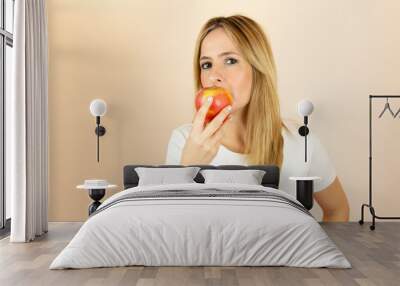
{"x": 100, "y": 131}
{"x": 304, "y": 193}
{"x": 305, "y": 188}
{"x": 303, "y": 131}
{"x": 96, "y": 195}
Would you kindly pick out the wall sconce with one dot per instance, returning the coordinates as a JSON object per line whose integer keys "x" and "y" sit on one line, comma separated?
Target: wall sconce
{"x": 305, "y": 108}
{"x": 98, "y": 107}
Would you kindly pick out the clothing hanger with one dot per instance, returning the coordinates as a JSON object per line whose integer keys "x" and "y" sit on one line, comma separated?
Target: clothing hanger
{"x": 387, "y": 106}
{"x": 398, "y": 111}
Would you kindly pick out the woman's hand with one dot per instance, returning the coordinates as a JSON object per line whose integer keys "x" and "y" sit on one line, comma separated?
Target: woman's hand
{"x": 204, "y": 141}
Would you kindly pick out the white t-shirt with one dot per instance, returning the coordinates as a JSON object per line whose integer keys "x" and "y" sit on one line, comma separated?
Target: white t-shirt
{"x": 318, "y": 162}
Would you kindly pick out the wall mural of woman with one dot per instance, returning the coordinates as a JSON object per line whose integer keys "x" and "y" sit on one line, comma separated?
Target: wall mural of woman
{"x": 234, "y": 53}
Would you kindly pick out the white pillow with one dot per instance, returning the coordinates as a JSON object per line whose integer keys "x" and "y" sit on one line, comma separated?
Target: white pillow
{"x": 249, "y": 177}
{"x": 162, "y": 176}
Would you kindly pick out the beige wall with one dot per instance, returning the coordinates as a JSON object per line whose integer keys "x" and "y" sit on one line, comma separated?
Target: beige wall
{"x": 137, "y": 55}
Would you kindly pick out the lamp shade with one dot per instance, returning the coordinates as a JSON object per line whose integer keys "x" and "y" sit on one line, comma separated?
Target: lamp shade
{"x": 305, "y": 107}
{"x": 98, "y": 107}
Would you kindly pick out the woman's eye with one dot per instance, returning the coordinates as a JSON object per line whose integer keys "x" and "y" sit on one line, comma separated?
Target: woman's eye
{"x": 231, "y": 60}
{"x": 205, "y": 65}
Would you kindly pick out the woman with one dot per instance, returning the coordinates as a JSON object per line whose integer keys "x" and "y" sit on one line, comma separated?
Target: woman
{"x": 234, "y": 53}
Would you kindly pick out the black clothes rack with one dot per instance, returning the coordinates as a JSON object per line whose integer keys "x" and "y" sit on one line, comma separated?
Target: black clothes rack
{"x": 369, "y": 205}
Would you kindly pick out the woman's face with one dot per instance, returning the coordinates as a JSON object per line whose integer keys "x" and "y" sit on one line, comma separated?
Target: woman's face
{"x": 223, "y": 65}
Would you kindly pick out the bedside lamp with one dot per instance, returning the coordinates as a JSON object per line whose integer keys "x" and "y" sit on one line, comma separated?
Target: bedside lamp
{"x": 305, "y": 185}
{"x": 305, "y": 108}
{"x": 98, "y": 108}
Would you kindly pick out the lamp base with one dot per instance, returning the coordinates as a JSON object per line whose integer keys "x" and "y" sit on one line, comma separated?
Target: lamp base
{"x": 96, "y": 195}
{"x": 100, "y": 130}
{"x": 304, "y": 193}
{"x": 303, "y": 130}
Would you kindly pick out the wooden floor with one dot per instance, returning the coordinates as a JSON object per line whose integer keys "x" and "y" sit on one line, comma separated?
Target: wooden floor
{"x": 375, "y": 257}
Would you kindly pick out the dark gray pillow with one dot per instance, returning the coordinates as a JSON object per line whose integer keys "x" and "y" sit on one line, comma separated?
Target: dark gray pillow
{"x": 249, "y": 177}
{"x": 162, "y": 176}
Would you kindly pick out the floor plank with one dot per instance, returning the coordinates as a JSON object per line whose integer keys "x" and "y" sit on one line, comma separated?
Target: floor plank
{"x": 374, "y": 255}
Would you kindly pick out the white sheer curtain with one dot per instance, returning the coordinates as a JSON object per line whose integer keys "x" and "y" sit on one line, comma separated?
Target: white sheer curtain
{"x": 27, "y": 124}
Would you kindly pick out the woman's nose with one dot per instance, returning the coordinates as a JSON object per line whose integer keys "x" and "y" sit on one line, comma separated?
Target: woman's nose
{"x": 215, "y": 78}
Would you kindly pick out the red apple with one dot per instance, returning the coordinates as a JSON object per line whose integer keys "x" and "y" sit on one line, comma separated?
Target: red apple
{"x": 221, "y": 99}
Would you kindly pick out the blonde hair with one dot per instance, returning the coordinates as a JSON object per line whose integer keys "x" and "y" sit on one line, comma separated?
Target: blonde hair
{"x": 263, "y": 135}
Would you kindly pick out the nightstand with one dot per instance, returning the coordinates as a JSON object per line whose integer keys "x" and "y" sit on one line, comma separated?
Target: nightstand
{"x": 305, "y": 190}
{"x": 96, "y": 190}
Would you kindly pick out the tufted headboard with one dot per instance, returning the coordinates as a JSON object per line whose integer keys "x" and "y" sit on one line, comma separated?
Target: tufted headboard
{"x": 270, "y": 179}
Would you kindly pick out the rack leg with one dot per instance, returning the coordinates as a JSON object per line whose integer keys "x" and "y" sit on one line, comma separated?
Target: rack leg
{"x": 361, "y": 221}
{"x": 372, "y": 210}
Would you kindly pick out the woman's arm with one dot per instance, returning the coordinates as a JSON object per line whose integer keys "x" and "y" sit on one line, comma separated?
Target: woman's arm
{"x": 333, "y": 202}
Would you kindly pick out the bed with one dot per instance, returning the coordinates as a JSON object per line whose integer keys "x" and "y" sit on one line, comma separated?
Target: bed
{"x": 201, "y": 224}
